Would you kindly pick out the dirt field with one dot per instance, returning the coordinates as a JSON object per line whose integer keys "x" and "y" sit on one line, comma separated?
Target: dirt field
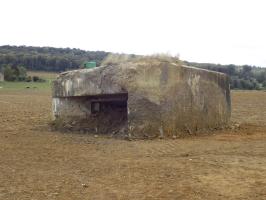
{"x": 39, "y": 164}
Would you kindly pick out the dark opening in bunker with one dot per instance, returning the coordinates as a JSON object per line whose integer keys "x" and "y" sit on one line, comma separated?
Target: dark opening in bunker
{"x": 95, "y": 113}
{"x": 109, "y": 104}
{"x": 100, "y": 113}
{"x": 108, "y": 112}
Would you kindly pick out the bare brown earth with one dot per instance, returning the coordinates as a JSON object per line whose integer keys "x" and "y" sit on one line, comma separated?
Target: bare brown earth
{"x": 37, "y": 163}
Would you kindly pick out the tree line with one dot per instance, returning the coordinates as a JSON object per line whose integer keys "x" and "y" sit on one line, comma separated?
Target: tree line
{"x": 15, "y": 58}
{"x": 241, "y": 77}
{"x": 19, "y": 73}
{"x": 47, "y": 58}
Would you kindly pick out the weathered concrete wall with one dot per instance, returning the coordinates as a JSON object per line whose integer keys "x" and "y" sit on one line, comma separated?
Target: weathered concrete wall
{"x": 71, "y": 107}
{"x": 163, "y": 98}
{"x": 87, "y": 82}
{"x": 178, "y": 99}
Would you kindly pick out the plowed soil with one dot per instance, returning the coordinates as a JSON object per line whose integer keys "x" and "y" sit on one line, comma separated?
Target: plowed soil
{"x": 37, "y": 163}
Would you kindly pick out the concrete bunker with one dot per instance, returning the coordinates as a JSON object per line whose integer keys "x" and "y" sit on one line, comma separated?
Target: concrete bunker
{"x": 142, "y": 98}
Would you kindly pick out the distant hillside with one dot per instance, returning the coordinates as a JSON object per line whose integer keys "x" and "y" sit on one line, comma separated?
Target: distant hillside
{"x": 62, "y": 59}
{"x": 47, "y": 58}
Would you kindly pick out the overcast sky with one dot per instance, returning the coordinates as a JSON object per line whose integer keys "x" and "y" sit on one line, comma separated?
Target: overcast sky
{"x": 218, "y": 31}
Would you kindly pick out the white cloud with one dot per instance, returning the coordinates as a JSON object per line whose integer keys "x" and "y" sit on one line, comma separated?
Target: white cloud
{"x": 220, "y": 31}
